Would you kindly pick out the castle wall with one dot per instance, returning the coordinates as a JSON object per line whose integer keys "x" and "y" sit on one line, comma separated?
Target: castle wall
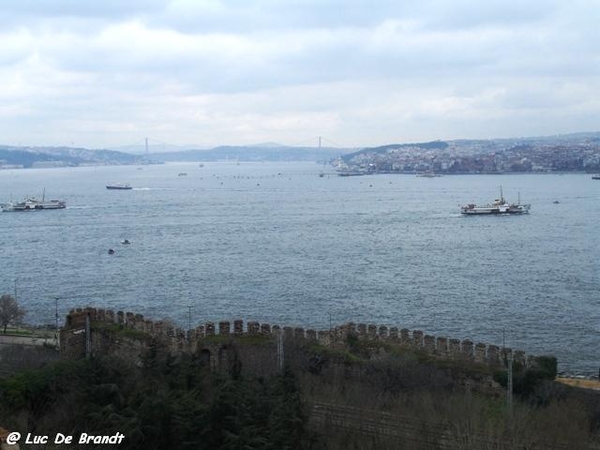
{"x": 17, "y": 357}
{"x": 140, "y": 331}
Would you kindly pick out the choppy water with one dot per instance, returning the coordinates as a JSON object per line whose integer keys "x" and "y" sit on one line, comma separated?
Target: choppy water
{"x": 276, "y": 243}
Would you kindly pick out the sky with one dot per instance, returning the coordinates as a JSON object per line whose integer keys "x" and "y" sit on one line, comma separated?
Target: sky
{"x": 108, "y": 73}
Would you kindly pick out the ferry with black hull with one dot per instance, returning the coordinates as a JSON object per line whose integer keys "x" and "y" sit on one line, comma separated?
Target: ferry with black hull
{"x": 119, "y": 186}
{"x": 499, "y": 206}
{"x": 351, "y": 173}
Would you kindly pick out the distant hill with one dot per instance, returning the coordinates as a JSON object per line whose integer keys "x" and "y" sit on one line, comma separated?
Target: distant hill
{"x": 68, "y": 156}
{"x": 62, "y": 156}
{"x": 577, "y": 152}
{"x": 265, "y": 152}
{"x": 21, "y": 157}
{"x": 441, "y": 145}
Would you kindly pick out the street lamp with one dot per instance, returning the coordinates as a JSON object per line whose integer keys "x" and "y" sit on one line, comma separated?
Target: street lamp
{"x": 189, "y": 317}
{"x": 56, "y": 318}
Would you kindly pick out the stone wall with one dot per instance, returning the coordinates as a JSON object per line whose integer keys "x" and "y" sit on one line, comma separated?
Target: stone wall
{"x": 179, "y": 340}
{"x": 17, "y": 357}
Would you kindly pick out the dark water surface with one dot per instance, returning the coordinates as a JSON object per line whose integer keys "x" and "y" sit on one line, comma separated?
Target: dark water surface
{"x": 274, "y": 242}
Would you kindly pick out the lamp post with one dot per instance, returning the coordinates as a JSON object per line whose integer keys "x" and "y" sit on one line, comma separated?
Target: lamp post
{"x": 56, "y": 319}
{"x": 17, "y": 302}
{"x": 330, "y": 329}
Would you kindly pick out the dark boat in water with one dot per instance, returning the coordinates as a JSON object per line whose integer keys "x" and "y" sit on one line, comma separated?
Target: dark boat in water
{"x": 119, "y": 186}
{"x": 351, "y": 173}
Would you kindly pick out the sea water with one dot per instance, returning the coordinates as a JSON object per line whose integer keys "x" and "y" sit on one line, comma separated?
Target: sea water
{"x": 277, "y": 243}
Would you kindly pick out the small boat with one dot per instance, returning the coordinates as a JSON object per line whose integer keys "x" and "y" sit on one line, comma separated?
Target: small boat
{"x": 119, "y": 186}
{"x": 596, "y": 177}
{"x": 125, "y": 242}
{"x": 182, "y": 174}
{"x": 428, "y": 175}
{"x": 499, "y": 206}
{"x": 111, "y": 251}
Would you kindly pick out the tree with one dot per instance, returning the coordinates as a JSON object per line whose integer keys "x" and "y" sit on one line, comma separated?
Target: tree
{"x": 9, "y": 311}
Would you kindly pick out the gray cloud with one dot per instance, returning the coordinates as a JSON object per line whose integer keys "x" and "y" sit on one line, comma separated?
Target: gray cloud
{"x": 106, "y": 72}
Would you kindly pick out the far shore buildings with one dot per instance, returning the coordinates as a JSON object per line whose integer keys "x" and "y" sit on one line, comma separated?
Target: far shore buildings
{"x": 4, "y": 165}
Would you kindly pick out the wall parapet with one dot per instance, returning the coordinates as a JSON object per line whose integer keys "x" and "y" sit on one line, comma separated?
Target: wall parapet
{"x": 439, "y": 346}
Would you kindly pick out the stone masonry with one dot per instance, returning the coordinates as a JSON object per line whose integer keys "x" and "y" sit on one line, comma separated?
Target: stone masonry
{"x": 73, "y": 336}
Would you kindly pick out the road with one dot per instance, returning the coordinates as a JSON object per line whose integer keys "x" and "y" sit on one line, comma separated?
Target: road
{"x": 25, "y": 340}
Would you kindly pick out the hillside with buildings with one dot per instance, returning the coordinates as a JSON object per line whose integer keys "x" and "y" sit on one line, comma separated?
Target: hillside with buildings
{"x": 563, "y": 153}
{"x": 569, "y": 153}
{"x": 12, "y": 157}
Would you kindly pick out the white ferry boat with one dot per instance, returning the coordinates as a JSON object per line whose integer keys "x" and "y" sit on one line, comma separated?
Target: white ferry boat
{"x": 499, "y": 206}
{"x": 33, "y": 204}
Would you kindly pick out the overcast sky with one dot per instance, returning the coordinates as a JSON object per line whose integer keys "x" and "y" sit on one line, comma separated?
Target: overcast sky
{"x": 107, "y": 73}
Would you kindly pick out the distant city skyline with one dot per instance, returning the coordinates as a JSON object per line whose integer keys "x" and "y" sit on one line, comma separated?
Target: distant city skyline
{"x": 209, "y": 73}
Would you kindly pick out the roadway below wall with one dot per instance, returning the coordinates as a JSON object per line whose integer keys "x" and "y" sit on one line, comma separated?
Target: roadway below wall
{"x": 19, "y": 353}
{"x": 11, "y": 339}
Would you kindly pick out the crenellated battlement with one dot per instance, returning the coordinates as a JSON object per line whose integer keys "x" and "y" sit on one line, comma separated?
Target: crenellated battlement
{"x": 179, "y": 339}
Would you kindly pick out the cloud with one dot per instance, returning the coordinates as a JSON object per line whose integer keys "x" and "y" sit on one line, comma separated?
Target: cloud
{"x": 209, "y": 71}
